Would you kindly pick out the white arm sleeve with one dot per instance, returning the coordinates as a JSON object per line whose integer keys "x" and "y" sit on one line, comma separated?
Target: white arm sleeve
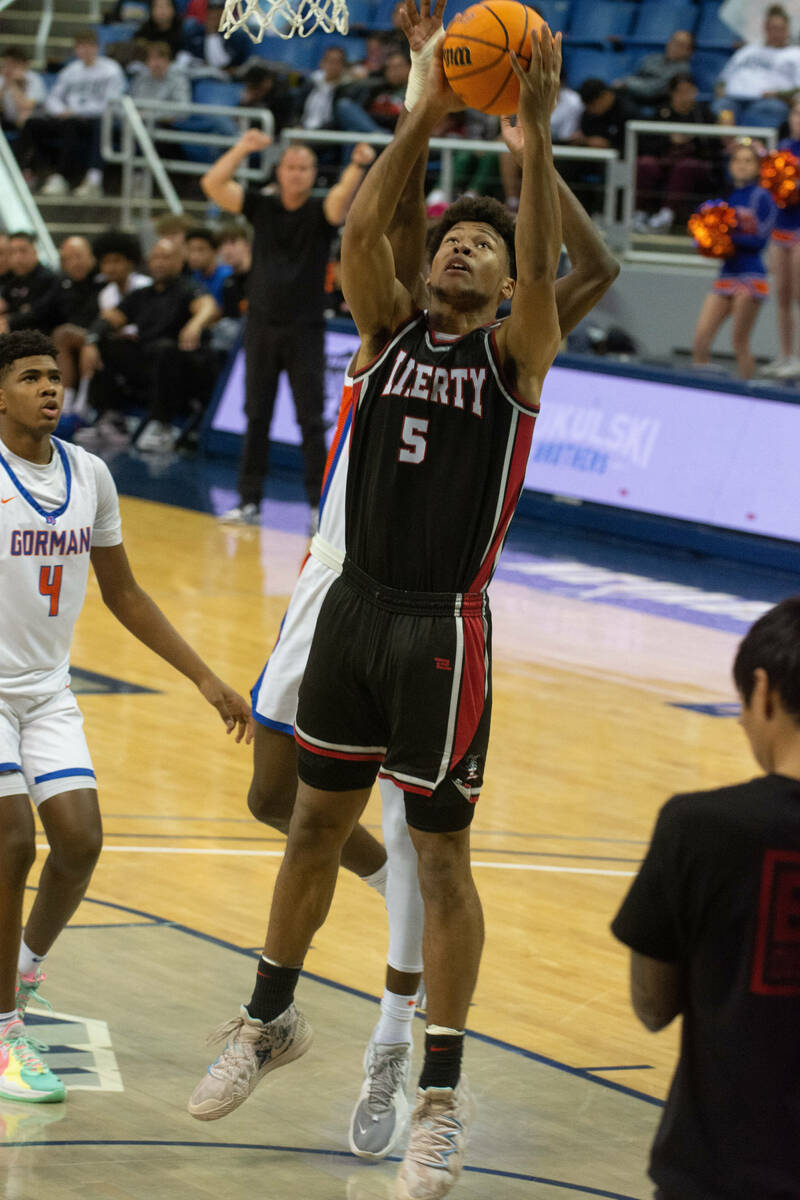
{"x": 107, "y": 528}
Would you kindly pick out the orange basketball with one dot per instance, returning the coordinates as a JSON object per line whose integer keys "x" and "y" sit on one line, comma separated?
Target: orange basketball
{"x": 476, "y": 53}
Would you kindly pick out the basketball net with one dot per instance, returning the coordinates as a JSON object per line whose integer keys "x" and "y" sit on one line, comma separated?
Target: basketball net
{"x": 284, "y": 18}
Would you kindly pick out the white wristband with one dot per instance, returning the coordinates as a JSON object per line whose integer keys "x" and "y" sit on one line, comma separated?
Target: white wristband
{"x": 420, "y": 62}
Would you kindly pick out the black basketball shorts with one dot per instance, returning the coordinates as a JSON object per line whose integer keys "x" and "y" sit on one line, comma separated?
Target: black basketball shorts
{"x": 398, "y": 683}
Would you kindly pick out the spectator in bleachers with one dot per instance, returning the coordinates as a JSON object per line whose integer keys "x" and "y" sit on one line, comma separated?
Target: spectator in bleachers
{"x": 746, "y": 17}
{"x": 742, "y": 285}
{"x": 263, "y": 88}
{"x": 21, "y": 89}
{"x": 67, "y": 136}
{"x": 565, "y": 121}
{"x": 5, "y": 265}
{"x": 675, "y": 171}
{"x": 175, "y": 226}
{"x": 204, "y": 265}
{"x": 118, "y": 256}
{"x": 757, "y": 80}
{"x": 27, "y": 297}
{"x": 75, "y": 307}
{"x": 235, "y": 250}
{"x": 162, "y": 80}
{"x": 207, "y": 47}
{"x": 374, "y": 104}
{"x": 650, "y": 83}
{"x": 319, "y": 98}
{"x": 164, "y": 24}
{"x": 159, "y": 354}
{"x": 605, "y": 112}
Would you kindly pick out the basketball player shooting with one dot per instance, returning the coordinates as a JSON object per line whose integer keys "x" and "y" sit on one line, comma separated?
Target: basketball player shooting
{"x": 398, "y": 676}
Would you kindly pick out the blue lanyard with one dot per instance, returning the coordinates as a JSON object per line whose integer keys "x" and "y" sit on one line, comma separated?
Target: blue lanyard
{"x": 50, "y": 517}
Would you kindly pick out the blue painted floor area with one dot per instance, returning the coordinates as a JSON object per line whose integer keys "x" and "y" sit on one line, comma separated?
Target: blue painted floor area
{"x": 596, "y": 567}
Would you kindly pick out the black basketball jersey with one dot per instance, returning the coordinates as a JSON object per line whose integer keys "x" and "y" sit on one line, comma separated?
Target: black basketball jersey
{"x": 437, "y": 460}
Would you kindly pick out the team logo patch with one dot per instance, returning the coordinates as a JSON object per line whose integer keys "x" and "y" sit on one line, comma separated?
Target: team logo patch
{"x": 776, "y": 962}
{"x": 468, "y": 776}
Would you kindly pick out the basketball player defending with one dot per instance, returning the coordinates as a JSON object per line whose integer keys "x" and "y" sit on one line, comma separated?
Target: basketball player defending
{"x": 58, "y": 510}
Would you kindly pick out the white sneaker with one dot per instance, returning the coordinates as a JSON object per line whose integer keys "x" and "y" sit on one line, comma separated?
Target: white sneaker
{"x": 243, "y": 514}
{"x": 662, "y": 221}
{"x": 108, "y": 431}
{"x": 381, "y": 1112}
{"x": 440, "y": 1126}
{"x": 789, "y": 368}
{"x": 252, "y": 1049}
{"x": 56, "y": 185}
{"x": 640, "y": 221}
{"x": 157, "y": 437}
{"x": 89, "y": 191}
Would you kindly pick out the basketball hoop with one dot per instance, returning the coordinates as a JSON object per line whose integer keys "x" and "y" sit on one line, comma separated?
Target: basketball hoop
{"x": 284, "y": 18}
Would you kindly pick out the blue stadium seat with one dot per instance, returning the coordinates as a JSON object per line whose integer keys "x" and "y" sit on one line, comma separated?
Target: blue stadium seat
{"x": 383, "y": 14}
{"x": 362, "y": 13}
{"x": 711, "y": 33}
{"x": 595, "y": 21}
{"x": 586, "y": 62}
{"x": 216, "y": 91}
{"x": 656, "y": 21}
{"x": 706, "y": 66}
{"x": 556, "y": 13}
{"x": 118, "y": 31}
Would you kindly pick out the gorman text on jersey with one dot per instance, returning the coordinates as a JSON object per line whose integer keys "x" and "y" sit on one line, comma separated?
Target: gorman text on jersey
{"x": 49, "y": 541}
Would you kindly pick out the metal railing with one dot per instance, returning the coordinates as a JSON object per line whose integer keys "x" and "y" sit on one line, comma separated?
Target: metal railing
{"x": 632, "y": 130}
{"x": 18, "y": 208}
{"x": 447, "y": 147}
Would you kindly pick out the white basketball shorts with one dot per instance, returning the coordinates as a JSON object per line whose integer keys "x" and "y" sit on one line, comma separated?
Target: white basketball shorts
{"x": 43, "y": 749}
{"x": 274, "y": 696}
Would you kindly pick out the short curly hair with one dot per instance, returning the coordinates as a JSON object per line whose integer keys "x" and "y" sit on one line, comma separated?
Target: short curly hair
{"x": 116, "y": 241}
{"x": 476, "y": 208}
{"x": 23, "y": 343}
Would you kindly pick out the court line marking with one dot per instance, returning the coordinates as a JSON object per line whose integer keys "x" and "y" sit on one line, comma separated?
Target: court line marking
{"x": 223, "y": 852}
{"x": 517, "y": 1175}
{"x": 487, "y": 1039}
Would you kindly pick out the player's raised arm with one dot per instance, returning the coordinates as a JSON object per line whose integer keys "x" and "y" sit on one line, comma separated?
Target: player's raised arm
{"x": 531, "y": 335}
{"x": 140, "y": 614}
{"x": 377, "y": 300}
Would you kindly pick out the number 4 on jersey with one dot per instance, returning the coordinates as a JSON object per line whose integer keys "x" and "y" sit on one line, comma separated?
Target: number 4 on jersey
{"x": 50, "y": 585}
{"x": 414, "y": 444}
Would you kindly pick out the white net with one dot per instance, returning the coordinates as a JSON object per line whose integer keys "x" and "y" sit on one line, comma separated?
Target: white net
{"x": 284, "y": 18}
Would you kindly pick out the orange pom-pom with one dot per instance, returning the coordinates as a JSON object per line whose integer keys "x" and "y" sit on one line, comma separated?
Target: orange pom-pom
{"x": 711, "y": 228}
{"x": 780, "y": 175}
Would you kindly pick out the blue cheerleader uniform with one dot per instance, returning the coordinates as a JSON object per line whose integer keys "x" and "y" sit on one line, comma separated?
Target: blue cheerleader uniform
{"x": 744, "y": 273}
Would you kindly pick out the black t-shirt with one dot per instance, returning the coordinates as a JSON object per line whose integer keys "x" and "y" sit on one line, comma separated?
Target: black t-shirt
{"x": 234, "y": 294}
{"x": 290, "y": 258}
{"x": 30, "y": 299}
{"x": 719, "y": 894}
{"x": 75, "y": 301}
{"x": 610, "y": 124}
{"x": 437, "y": 458}
{"x": 161, "y": 311}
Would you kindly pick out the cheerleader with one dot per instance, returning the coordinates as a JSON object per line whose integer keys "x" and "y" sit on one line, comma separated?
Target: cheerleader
{"x": 742, "y": 284}
{"x": 784, "y": 264}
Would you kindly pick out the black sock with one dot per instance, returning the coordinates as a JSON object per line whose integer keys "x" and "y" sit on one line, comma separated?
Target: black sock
{"x": 442, "y": 1065}
{"x": 274, "y": 990}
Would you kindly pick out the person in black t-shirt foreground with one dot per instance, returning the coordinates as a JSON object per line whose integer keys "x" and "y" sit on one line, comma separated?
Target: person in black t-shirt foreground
{"x": 285, "y": 329}
{"x": 29, "y": 289}
{"x": 153, "y": 345}
{"x": 713, "y": 923}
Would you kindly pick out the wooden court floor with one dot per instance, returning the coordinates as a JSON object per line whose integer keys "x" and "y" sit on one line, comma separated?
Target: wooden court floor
{"x": 587, "y": 743}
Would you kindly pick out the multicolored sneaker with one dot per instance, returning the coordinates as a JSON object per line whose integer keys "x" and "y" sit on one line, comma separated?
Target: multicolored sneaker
{"x": 28, "y": 989}
{"x": 437, "y": 1140}
{"x": 381, "y": 1112}
{"x": 252, "y": 1049}
{"x": 23, "y": 1075}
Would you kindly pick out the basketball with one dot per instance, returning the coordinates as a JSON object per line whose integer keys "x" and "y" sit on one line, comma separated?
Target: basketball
{"x": 476, "y": 53}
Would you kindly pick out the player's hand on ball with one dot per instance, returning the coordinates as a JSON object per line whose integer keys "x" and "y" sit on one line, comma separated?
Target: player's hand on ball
{"x": 514, "y": 138}
{"x": 234, "y": 711}
{"x": 254, "y": 141}
{"x": 438, "y": 93}
{"x": 363, "y": 155}
{"x": 420, "y": 26}
{"x": 538, "y": 86}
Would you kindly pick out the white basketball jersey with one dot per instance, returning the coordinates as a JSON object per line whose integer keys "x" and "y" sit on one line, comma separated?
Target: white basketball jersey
{"x": 50, "y": 517}
{"x": 328, "y": 543}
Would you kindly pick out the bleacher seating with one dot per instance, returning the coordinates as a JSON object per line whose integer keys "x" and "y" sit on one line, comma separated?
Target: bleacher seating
{"x": 656, "y": 21}
{"x": 597, "y": 21}
{"x": 587, "y": 62}
{"x": 216, "y": 91}
{"x": 117, "y": 31}
{"x": 706, "y": 66}
{"x": 710, "y": 32}
{"x": 556, "y": 13}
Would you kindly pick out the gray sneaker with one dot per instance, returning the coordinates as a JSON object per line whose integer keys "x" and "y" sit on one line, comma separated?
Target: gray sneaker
{"x": 252, "y": 1049}
{"x": 440, "y": 1125}
{"x": 381, "y": 1112}
{"x": 243, "y": 514}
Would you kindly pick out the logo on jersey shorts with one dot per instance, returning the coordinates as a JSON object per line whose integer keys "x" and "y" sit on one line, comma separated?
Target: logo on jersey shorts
{"x": 468, "y": 776}
{"x": 46, "y": 542}
{"x": 452, "y": 387}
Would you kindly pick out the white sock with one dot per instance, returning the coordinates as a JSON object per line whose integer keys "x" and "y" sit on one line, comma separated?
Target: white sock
{"x": 378, "y": 878}
{"x": 28, "y": 961}
{"x": 7, "y": 1018}
{"x": 397, "y": 1013}
{"x": 94, "y": 175}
